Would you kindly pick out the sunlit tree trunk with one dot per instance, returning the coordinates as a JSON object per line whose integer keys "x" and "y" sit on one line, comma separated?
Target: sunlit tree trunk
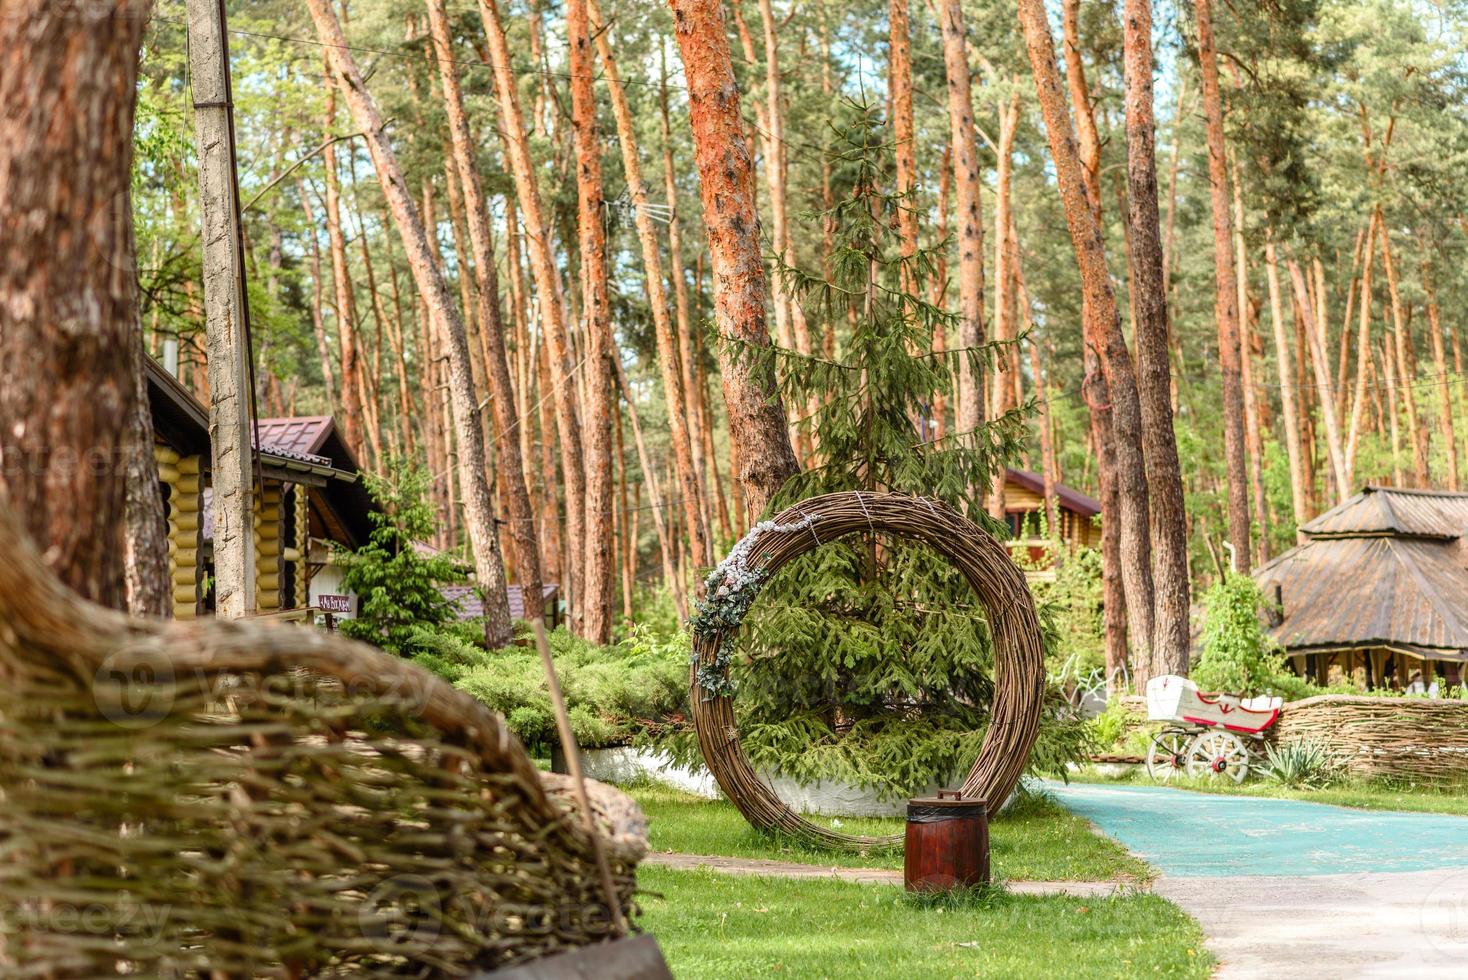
{"x": 507, "y": 449}
{"x": 346, "y": 302}
{"x": 670, "y": 356}
{"x": 547, "y": 294}
{"x": 1445, "y": 380}
{"x": 1171, "y": 642}
{"x": 1315, "y": 327}
{"x": 969, "y": 411}
{"x": 473, "y": 479}
{"x": 1102, "y": 331}
{"x": 600, "y": 349}
{"x": 1406, "y": 368}
{"x": 899, "y": 86}
{"x": 1287, "y": 387}
{"x": 757, "y": 424}
{"x": 1225, "y": 304}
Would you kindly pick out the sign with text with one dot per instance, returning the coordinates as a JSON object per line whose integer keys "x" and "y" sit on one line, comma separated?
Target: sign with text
{"x": 334, "y": 603}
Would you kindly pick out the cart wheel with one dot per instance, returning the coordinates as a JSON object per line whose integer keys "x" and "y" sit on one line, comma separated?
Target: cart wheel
{"x": 1168, "y": 753}
{"x": 1220, "y": 755}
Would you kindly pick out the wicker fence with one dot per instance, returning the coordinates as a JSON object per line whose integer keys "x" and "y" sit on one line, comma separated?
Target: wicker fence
{"x": 1399, "y": 738}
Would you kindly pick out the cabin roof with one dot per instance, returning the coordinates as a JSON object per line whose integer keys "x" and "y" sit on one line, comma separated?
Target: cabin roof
{"x": 1070, "y": 499}
{"x": 306, "y": 449}
{"x": 1387, "y": 568}
{"x": 470, "y": 606}
{"x": 1441, "y": 514}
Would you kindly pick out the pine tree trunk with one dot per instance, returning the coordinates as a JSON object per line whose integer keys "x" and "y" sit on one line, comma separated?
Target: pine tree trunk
{"x": 1445, "y": 383}
{"x": 1225, "y": 304}
{"x": 1171, "y": 639}
{"x": 68, "y": 284}
{"x": 655, "y": 498}
{"x": 509, "y": 462}
{"x": 1253, "y": 442}
{"x": 1287, "y": 386}
{"x": 969, "y": 412}
{"x": 757, "y": 423}
{"x": 670, "y": 356}
{"x": 473, "y": 480}
{"x": 548, "y": 297}
{"x": 600, "y": 348}
{"x": 346, "y": 303}
{"x": 1315, "y": 333}
{"x": 1406, "y": 368}
{"x": 1363, "y": 348}
{"x": 899, "y": 86}
{"x": 1102, "y": 329}
{"x": 318, "y": 327}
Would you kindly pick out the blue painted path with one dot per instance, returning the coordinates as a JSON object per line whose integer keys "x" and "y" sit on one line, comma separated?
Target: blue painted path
{"x": 1204, "y": 835}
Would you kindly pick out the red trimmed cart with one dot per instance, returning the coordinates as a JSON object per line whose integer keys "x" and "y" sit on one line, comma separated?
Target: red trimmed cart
{"x": 1207, "y": 734}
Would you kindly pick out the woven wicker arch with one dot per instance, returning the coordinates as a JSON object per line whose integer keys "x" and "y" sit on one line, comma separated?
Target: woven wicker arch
{"x": 1019, "y": 682}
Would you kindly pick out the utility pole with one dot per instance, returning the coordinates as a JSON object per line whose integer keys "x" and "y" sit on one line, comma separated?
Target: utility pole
{"x": 229, "y": 380}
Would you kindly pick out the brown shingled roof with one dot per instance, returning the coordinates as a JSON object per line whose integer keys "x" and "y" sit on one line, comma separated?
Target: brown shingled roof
{"x": 1071, "y": 499}
{"x": 1387, "y": 568}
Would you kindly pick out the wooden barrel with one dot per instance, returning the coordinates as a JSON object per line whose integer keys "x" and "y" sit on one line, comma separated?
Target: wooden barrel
{"x": 947, "y": 843}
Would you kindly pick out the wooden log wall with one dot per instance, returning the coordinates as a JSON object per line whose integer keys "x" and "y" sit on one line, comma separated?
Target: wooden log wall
{"x": 183, "y": 475}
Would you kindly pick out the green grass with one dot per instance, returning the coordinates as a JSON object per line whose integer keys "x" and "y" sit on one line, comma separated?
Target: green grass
{"x": 719, "y": 926}
{"x": 1035, "y": 840}
{"x": 1357, "y": 794}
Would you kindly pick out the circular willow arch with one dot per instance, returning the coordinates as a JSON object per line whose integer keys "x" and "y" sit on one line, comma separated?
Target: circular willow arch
{"x": 1019, "y": 669}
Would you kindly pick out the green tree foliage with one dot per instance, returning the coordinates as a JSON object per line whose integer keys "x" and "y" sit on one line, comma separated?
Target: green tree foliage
{"x": 397, "y": 584}
{"x": 1238, "y": 656}
{"x": 869, "y": 659}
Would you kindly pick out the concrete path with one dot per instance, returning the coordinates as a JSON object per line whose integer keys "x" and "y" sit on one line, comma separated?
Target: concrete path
{"x": 872, "y": 876}
{"x": 1287, "y": 887}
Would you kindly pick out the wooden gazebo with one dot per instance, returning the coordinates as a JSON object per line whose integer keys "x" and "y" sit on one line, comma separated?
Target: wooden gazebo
{"x": 1377, "y": 591}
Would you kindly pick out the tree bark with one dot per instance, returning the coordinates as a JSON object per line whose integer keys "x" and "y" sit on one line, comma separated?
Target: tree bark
{"x": 1225, "y": 303}
{"x": 318, "y": 326}
{"x": 597, "y": 609}
{"x": 473, "y": 479}
{"x": 1298, "y": 501}
{"x": 68, "y": 292}
{"x": 509, "y": 461}
{"x": 346, "y": 302}
{"x": 1406, "y": 368}
{"x": 1315, "y": 334}
{"x": 969, "y": 411}
{"x": 899, "y": 76}
{"x": 1444, "y": 379}
{"x": 670, "y": 356}
{"x": 1102, "y": 330}
{"x": 1171, "y": 640}
{"x": 231, "y": 397}
{"x": 548, "y": 297}
{"x": 757, "y": 423}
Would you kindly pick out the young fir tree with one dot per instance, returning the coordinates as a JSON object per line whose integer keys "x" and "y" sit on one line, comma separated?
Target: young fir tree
{"x": 397, "y": 585}
{"x": 869, "y": 659}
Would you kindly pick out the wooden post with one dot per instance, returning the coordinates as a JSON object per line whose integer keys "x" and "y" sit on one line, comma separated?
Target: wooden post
{"x": 229, "y": 394}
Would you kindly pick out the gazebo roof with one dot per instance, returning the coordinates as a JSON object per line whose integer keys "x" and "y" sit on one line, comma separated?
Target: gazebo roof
{"x": 1386, "y": 569}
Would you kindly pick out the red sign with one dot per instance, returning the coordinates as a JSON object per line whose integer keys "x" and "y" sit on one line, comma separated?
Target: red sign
{"x": 334, "y": 603}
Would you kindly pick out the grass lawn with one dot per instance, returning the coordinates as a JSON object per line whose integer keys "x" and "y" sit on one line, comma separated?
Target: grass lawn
{"x": 1359, "y": 794}
{"x": 718, "y": 926}
{"x": 1037, "y": 839}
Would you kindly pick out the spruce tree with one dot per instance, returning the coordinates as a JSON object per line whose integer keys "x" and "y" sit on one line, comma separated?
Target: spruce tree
{"x": 869, "y": 659}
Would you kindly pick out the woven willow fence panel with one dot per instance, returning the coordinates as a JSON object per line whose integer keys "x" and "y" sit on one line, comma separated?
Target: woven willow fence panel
{"x": 1019, "y": 682}
{"x": 241, "y": 800}
{"x": 1403, "y": 738}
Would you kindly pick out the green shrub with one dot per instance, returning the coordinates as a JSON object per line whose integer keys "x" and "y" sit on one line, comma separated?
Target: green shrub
{"x": 1238, "y": 656}
{"x": 613, "y": 693}
{"x": 1301, "y": 764}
